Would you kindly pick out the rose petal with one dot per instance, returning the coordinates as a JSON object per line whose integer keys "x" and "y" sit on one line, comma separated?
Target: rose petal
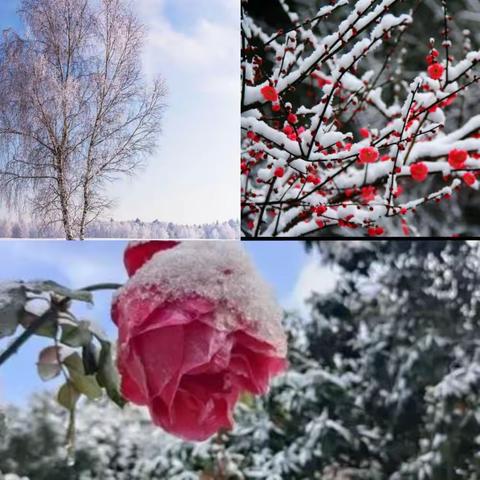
{"x": 202, "y": 345}
{"x": 202, "y": 406}
{"x": 137, "y": 254}
{"x": 161, "y": 355}
{"x": 253, "y": 343}
{"x": 254, "y": 371}
{"x": 131, "y": 389}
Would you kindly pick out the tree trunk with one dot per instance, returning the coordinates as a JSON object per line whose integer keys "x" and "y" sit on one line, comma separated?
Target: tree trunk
{"x": 84, "y": 211}
{"x": 86, "y": 197}
{"x": 64, "y": 204}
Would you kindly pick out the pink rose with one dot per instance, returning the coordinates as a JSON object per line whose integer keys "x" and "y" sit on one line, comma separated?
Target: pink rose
{"x": 197, "y": 327}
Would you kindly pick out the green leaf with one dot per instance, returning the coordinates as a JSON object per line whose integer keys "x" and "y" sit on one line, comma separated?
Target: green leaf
{"x": 48, "y": 329}
{"x": 107, "y": 375}
{"x": 12, "y": 301}
{"x": 86, "y": 384}
{"x": 247, "y": 399}
{"x": 48, "y": 365}
{"x": 74, "y": 363}
{"x": 90, "y": 359}
{"x": 68, "y": 396}
{"x": 98, "y": 332}
{"x": 76, "y": 335}
{"x": 53, "y": 287}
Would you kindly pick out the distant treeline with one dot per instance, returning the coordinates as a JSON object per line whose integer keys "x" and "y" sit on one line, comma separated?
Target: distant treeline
{"x": 133, "y": 229}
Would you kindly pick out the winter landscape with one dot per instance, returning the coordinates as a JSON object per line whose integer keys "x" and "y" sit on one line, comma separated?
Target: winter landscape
{"x": 382, "y": 380}
{"x": 360, "y": 118}
{"x": 134, "y": 229}
{"x": 99, "y": 118}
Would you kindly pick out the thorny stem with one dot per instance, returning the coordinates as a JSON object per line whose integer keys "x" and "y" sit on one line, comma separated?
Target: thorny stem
{"x": 50, "y": 315}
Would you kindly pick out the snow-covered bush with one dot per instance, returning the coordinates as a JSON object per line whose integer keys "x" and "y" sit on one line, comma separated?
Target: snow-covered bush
{"x": 332, "y": 145}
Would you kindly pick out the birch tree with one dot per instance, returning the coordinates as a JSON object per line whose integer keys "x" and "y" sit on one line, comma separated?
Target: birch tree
{"x": 75, "y": 110}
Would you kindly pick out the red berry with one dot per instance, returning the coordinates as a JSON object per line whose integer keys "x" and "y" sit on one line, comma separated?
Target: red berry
{"x": 269, "y": 93}
{"x": 435, "y": 71}
{"x": 368, "y": 155}
{"x": 320, "y": 210}
{"x": 419, "y": 171}
{"x": 279, "y": 172}
{"x": 364, "y": 132}
{"x": 368, "y": 194}
{"x": 457, "y": 158}
{"x": 469, "y": 178}
{"x": 292, "y": 118}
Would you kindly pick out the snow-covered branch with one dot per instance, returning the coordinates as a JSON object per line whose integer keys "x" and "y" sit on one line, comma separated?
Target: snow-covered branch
{"x": 310, "y": 163}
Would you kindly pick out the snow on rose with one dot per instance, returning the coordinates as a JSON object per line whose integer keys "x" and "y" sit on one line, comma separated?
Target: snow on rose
{"x": 197, "y": 328}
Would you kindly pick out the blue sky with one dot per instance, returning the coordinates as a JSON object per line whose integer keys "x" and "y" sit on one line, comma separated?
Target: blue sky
{"x": 285, "y": 265}
{"x": 193, "y": 178}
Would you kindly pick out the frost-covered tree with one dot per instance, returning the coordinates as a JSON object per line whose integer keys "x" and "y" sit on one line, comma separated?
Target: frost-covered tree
{"x": 340, "y": 137}
{"x": 75, "y": 110}
{"x": 16, "y": 227}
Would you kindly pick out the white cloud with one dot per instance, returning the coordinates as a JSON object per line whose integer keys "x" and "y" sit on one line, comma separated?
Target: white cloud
{"x": 208, "y": 52}
{"x": 313, "y": 277}
{"x": 197, "y": 160}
